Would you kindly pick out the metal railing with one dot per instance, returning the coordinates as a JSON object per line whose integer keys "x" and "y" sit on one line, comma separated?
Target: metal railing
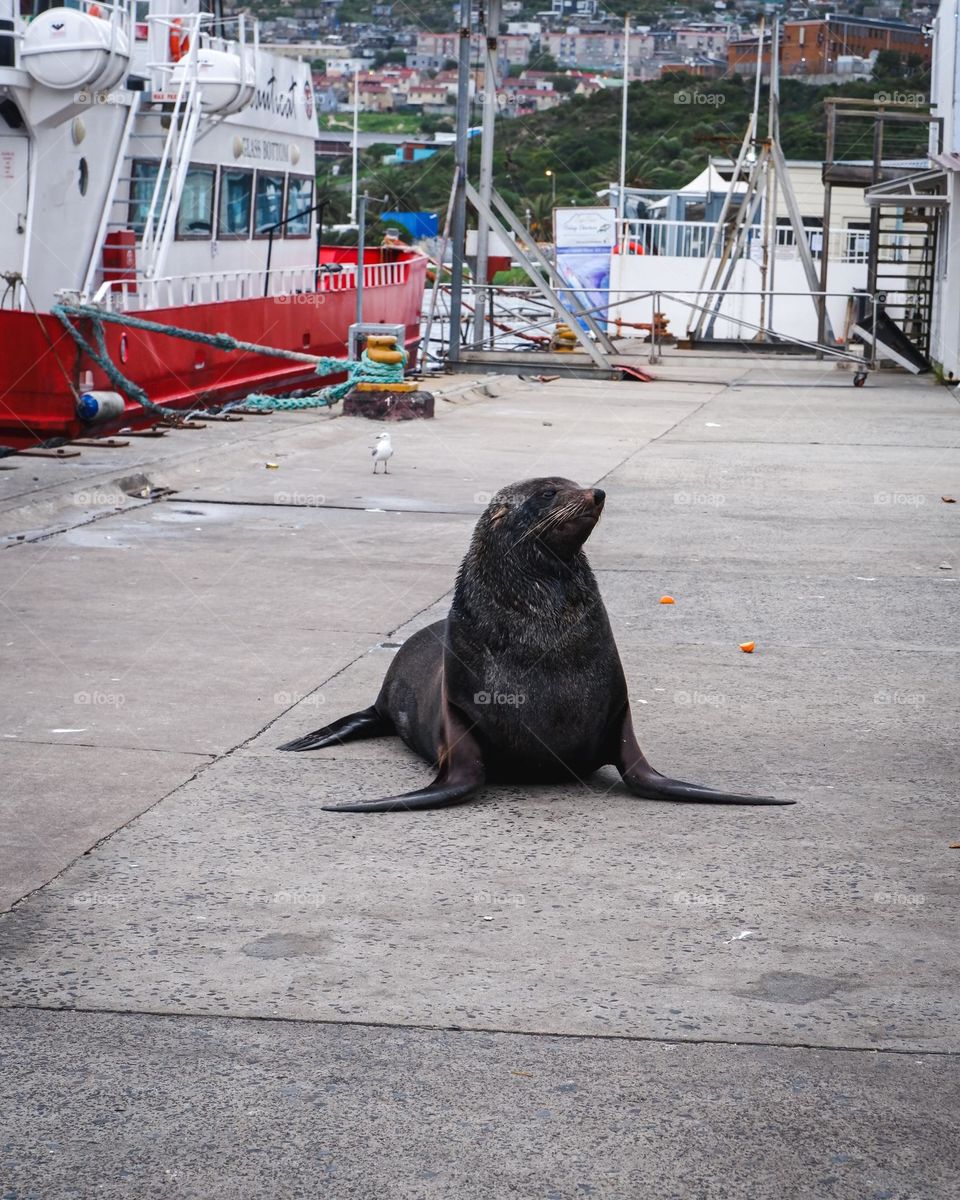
{"x": 695, "y": 239}
{"x": 518, "y": 318}
{"x": 216, "y": 287}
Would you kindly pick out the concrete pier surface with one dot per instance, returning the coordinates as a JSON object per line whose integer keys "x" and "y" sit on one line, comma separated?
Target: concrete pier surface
{"x": 209, "y": 987}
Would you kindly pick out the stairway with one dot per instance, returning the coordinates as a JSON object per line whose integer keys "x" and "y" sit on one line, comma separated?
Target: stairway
{"x": 184, "y": 121}
{"x": 902, "y": 265}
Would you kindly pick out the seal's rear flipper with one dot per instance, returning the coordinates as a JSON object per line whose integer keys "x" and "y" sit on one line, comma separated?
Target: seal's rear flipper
{"x": 368, "y": 723}
{"x": 440, "y": 794}
{"x": 461, "y": 773}
{"x": 644, "y": 781}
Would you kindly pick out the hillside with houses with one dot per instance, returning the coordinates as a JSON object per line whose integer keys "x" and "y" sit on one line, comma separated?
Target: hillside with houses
{"x": 400, "y": 59}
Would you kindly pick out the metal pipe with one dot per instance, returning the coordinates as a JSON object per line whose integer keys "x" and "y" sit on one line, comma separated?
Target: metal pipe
{"x": 355, "y": 149}
{"x": 459, "y": 231}
{"x": 361, "y": 249}
{"x": 486, "y": 159}
{"x": 827, "y": 205}
{"x": 621, "y": 193}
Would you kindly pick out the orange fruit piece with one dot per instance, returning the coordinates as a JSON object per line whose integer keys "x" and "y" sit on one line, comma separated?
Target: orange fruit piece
{"x": 667, "y": 600}
{"x": 748, "y": 647}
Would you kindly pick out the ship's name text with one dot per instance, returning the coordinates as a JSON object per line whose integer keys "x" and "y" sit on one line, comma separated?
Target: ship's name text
{"x": 265, "y": 151}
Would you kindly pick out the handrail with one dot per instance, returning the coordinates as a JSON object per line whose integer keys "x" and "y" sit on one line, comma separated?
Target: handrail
{"x": 693, "y": 239}
{"x": 210, "y": 287}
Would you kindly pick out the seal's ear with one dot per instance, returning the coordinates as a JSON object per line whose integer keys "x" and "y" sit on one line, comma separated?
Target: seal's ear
{"x": 499, "y": 513}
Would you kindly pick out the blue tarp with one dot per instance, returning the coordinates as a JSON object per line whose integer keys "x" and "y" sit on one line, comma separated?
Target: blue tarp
{"x": 417, "y": 224}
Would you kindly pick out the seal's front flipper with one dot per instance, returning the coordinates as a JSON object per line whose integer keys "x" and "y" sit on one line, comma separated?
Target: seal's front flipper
{"x": 648, "y": 783}
{"x": 461, "y": 773}
{"x": 365, "y": 724}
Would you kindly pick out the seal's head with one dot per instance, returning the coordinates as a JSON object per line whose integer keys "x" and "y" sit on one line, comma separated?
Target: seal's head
{"x": 550, "y": 515}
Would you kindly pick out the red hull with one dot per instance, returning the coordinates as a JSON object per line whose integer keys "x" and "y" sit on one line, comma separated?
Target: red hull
{"x": 41, "y": 359}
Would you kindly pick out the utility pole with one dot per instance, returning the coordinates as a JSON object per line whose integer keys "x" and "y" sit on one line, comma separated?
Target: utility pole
{"x": 361, "y": 252}
{"x": 355, "y": 153}
{"x": 490, "y": 89}
{"x": 621, "y": 197}
{"x": 459, "y": 230}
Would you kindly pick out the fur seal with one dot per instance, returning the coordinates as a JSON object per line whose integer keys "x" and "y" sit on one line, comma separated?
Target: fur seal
{"x": 522, "y": 682}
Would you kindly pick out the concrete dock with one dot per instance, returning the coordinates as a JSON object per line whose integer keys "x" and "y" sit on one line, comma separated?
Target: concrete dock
{"x": 211, "y": 988}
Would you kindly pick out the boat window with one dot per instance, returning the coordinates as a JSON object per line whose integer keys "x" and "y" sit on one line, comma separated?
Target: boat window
{"x": 268, "y": 208}
{"x": 195, "y": 218}
{"x": 236, "y": 201}
{"x": 299, "y": 202}
{"x": 142, "y": 183}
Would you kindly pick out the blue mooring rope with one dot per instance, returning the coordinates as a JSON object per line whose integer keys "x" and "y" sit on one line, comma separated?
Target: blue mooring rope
{"x": 365, "y": 370}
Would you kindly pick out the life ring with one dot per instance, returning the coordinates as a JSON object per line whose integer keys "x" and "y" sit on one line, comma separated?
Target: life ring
{"x": 179, "y": 41}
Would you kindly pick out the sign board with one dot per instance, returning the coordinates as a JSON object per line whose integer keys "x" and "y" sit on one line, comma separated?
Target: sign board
{"x": 584, "y": 239}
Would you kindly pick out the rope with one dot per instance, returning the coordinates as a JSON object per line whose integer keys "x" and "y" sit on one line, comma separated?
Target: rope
{"x": 363, "y": 371}
{"x": 103, "y": 360}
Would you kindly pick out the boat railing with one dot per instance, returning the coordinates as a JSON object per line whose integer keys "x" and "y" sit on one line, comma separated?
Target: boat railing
{"x": 285, "y": 285}
{"x": 697, "y": 239}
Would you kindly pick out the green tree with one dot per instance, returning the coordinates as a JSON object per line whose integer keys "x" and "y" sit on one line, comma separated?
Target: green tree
{"x": 889, "y": 65}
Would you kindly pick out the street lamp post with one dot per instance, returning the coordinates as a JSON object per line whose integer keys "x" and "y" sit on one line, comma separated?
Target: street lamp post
{"x": 551, "y": 175}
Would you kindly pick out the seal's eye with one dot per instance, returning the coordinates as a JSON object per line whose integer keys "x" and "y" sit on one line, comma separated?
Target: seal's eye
{"x": 548, "y": 494}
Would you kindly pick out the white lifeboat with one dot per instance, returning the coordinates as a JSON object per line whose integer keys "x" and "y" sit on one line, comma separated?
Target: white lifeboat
{"x": 66, "y": 49}
{"x": 226, "y": 81}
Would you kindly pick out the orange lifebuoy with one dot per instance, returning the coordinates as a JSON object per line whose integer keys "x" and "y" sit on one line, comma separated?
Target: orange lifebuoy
{"x": 179, "y": 41}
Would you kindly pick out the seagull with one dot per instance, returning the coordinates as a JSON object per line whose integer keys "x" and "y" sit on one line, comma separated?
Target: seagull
{"x": 381, "y": 452}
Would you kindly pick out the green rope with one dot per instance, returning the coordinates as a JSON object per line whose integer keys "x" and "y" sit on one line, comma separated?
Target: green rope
{"x": 101, "y": 357}
{"x": 363, "y": 371}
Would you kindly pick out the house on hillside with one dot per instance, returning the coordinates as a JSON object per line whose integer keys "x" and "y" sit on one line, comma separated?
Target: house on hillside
{"x": 601, "y": 51}
{"x": 431, "y": 99}
{"x": 817, "y": 46}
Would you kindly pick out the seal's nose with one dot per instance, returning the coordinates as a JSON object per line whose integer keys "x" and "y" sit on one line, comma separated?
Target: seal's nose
{"x": 599, "y": 495}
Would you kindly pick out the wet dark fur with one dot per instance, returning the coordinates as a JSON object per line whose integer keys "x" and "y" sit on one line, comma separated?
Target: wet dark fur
{"x": 522, "y": 681}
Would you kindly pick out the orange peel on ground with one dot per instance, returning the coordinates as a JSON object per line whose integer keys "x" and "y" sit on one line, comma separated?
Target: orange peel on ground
{"x": 748, "y": 647}
{"x": 667, "y": 600}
